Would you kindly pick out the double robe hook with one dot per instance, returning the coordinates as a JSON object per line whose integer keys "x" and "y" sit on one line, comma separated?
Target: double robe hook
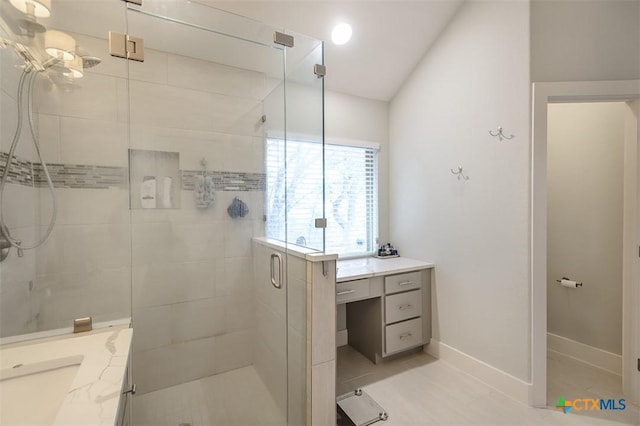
{"x": 459, "y": 173}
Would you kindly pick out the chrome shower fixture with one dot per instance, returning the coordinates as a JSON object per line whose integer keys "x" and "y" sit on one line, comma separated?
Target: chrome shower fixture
{"x": 90, "y": 61}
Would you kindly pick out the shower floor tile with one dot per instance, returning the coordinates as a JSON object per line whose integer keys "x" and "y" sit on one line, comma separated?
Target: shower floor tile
{"x": 234, "y": 398}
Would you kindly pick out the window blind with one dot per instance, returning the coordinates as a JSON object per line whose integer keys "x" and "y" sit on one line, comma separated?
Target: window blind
{"x": 295, "y": 192}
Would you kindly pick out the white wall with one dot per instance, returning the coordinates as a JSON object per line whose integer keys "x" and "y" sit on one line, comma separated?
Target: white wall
{"x": 475, "y": 77}
{"x": 585, "y": 40}
{"x": 585, "y": 193}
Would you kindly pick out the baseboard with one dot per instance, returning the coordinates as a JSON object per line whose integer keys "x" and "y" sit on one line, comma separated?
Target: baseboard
{"x": 497, "y": 379}
{"x": 585, "y": 353}
{"x": 342, "y": 338}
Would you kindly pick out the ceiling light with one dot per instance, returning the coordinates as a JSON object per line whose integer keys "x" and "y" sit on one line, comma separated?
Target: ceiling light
{"x": 341, "y": 33}
{"x": 37, "y": 8}
{"x": 59, "y": 45}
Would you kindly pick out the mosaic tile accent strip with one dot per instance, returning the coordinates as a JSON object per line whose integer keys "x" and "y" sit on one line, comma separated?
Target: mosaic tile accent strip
{"x": 227, "y": 181}
{"x": 20, "y": 172}
{"x": 81, "y": 176}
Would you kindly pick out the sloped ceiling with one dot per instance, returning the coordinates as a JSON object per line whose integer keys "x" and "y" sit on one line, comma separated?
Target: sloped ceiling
{"x": 389, "y": 37}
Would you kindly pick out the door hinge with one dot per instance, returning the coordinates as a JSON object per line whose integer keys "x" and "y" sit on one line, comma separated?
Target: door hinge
{"x": 283, "y": 39}
{"x": 126, "y": 46}
{"x": 638, "y": 364}
{"x": 319, "y": 70}
{"x": 321, "y": 222}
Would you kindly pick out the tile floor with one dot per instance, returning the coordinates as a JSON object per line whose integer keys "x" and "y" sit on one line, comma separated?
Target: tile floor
{"x": 414, "y": 389}
{"x": 417, "y": 389}
{"x": 238, "y": 397}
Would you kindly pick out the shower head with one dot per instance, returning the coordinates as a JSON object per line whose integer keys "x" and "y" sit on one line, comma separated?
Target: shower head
{"x": 90, "y": 61}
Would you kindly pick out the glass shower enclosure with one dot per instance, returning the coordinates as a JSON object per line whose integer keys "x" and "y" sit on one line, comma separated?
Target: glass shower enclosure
{"x": 162, "y": 186}
{"x": 212, "y": 88}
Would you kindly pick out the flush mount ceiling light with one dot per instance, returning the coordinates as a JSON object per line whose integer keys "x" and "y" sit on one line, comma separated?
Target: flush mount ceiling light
{"x": 59, "y": 45}
{"x": 341, "y": 33}
{"x": 37, "y": 8}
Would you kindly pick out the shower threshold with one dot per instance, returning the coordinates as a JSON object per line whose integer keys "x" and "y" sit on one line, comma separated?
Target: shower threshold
{"x": 359, "y": 409}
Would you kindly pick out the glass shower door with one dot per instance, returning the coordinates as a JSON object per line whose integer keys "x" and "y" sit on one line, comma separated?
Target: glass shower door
{"x": 197, "y": 182}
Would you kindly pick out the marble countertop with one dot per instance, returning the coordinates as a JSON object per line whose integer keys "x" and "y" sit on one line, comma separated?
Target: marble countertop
{"x": 94, "y": 395}
{"x": 367, "y": 267}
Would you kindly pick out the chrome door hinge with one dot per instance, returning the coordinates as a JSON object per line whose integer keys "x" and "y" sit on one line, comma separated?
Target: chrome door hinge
{"x": 139, "y": 2}
{"x": 283, "y": 39}
{"x": 319, "y": 70}
{"x": 126, "y": 46}
{"x": 321, "y": 222}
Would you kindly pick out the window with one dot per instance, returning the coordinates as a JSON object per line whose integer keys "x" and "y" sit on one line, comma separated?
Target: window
{"x": 350, "y": 188}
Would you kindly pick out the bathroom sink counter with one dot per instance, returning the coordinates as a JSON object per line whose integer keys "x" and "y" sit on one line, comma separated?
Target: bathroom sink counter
{"x": 95, "y": 391}
{"x": 367, "y": 267}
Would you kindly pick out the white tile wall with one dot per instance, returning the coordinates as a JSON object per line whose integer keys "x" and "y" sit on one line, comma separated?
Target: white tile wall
{"x": 195, "y": 266}
{"x": 10, "y": 71}
{"x": 23, "y": 201}
{"x": 166, "y": 283}
{"x": 85, "y": 206}
{"x": 197, "y": 319}
{"x": 186, "y": 272}
{"x": 93, "y": 96}
{"x": 152, "y": 70}
{"x": 173, "y": 107}
{"x": 155, "y": 321}
{"x": 8, "y": 122}
{"x": 82, "y": 138}
{"x": 48, "y": 133}
{"x": 190, "y": 73}
{"x": 18, "y": 299}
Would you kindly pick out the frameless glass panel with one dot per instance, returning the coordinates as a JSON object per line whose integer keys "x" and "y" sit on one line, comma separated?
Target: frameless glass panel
{"x": 297, "y": 196}
{"x": 210, "y": 325}
{"x": 304, "y": 146}
{"x": 69, "y": 202}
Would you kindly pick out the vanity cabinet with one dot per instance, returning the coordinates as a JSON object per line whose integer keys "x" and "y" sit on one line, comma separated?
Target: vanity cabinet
{"x": 390, "y": 316}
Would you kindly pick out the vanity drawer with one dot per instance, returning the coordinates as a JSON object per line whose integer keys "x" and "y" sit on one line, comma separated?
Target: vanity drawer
{"x": 403, "y": 335}
{"x": 402, "y": 306}
{"x": 402, "y": 282}
{"x": 352, "y": 290}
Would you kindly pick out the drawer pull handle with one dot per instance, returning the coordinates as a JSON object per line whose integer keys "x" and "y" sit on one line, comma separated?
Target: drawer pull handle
{"x": 405, "y": 307}
{"x": 405, "y": 283}
{"x": 342, "y": 293}
{"x": 405, "y": 336}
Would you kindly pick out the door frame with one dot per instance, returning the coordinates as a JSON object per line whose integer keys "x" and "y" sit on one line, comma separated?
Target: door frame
{"x": 585, "y": 91}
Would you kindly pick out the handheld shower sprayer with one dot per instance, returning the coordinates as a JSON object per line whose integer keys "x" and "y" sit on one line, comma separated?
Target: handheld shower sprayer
{"x": 6, "y": 239}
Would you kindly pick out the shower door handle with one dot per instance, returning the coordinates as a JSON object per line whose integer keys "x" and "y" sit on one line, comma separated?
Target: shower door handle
{"x": 277, "y": 283}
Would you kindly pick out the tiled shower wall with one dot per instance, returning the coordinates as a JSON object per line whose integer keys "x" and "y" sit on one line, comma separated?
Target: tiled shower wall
{"x": 18, "y": 304}
{"x": 186, "y": 272}
{"x": 192, "y": 269}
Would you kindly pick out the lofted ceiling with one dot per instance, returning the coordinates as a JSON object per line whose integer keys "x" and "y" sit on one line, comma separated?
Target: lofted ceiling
{"x": 389, "y": 37}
